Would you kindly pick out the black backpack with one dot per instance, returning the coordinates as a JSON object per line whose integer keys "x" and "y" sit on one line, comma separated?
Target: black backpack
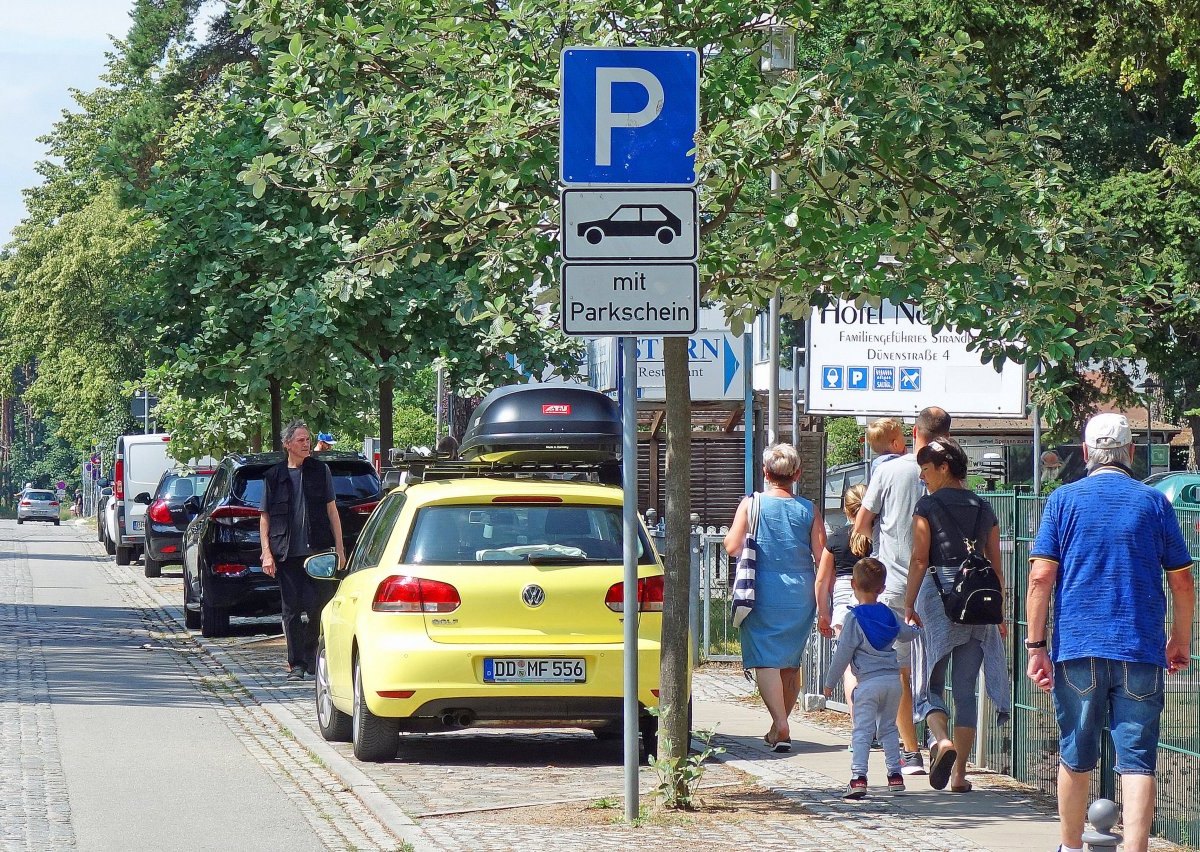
{"x": 975, "y": 596}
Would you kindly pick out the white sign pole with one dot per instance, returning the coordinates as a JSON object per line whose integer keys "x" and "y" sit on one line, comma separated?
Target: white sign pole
{"x": 629, "y": 611}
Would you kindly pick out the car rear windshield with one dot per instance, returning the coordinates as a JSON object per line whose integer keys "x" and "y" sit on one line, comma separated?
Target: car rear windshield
{"x": 519, "y": 534}
{"x": 39, "y": 495}
{"x": 351, "y": 483}
{"x": 354, "y": 481}
{"x": 179, "y": 488}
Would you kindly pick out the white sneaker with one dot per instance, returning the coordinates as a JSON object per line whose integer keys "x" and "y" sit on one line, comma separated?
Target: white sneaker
{"x": 911, "y": 763}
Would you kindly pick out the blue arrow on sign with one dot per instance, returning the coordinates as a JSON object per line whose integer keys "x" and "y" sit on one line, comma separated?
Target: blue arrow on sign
{"x": 731, "y": 364}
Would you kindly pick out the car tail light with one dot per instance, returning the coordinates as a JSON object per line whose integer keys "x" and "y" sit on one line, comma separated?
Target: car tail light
{"x": 170, "y": 548}
{"x": 230, "y": 569}
{"x": 413, "y": 594}
{"x": 26, "y": 503}
{"x": 159, "y": 512}
{"x": 53, "y": 502}
{"x": 364, "y": 508}
{"x": 233, "y": 514}
{"x": 396, "y": 693}
{"x": 119, "y": 479}
{"x": 649, "y": 591}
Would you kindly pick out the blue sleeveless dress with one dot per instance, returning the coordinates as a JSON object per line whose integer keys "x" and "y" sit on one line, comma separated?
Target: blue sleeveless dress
{"x": 785, "y": 603}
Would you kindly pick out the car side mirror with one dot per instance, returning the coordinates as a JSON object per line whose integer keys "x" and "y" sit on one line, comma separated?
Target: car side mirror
{"x": 192, "y": 506}
{"x": 106, "y": 483}
{"x": 322, "y": 566}
{"x": 143, "y": 498}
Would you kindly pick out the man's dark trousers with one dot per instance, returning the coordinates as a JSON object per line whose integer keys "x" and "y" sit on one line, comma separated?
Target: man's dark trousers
{"x": 300, "y": 595}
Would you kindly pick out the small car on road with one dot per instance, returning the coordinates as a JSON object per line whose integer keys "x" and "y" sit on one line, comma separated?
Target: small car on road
{"x": 222, "y": 556}
{"x": 167, "y": 518}
{"x": 488, "y": 590}
{"x": 38, "y": 505}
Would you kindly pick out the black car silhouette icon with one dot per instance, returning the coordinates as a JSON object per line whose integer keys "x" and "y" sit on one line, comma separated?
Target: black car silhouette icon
{"x": 634, "y": 220}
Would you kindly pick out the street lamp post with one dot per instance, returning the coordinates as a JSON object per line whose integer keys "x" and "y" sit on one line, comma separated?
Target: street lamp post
{"x": 778, "y": 55}
{"x": 1149, "y": 387}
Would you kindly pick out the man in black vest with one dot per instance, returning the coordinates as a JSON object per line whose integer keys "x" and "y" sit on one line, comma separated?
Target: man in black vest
{"x": 299, "y": 518}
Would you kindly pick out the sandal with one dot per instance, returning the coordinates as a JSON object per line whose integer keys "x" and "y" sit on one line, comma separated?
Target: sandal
{"x": 777, "y": 745}
{"x": 965, "y": 787}
{"x": 941, "y": 761}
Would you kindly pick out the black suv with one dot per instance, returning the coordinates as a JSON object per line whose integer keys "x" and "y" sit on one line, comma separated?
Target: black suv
{"x": 222, "y": 563}
{"x": 167, "y": 517}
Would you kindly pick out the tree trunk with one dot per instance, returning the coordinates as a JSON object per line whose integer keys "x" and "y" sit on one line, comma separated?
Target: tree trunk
{"x": 1193, "y": 422}
{"x": 387, "y": 413}
{"x": 460, "y": 410}
{"x": 256, "y": 439}
{"x": 276, "y": 415}
{"x": 673, "y": 734}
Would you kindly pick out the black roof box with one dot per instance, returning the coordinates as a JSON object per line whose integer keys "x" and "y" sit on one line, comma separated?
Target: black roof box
{"x": 520, "y": 424}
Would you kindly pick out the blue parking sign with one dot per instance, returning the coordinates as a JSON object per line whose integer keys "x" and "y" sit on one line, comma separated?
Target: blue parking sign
{"x": 856, "y": 378}
{"x": 629, "y": 115}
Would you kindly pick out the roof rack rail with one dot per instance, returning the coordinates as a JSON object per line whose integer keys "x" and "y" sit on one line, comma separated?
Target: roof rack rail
{"x": 426, "y": 469}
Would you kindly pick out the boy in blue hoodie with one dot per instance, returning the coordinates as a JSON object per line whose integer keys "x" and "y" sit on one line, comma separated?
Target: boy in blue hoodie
{"x": 868, "y": 646}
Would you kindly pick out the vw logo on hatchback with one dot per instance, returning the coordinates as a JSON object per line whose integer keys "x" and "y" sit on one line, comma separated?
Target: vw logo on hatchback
{"x": 533, "y": 595}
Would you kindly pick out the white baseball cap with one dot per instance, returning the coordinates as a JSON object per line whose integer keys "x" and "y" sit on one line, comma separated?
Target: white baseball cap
{"x": 1107, "y": 431}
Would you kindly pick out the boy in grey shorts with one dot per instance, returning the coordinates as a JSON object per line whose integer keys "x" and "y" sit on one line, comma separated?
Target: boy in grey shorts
{"x": 868, "y": 646}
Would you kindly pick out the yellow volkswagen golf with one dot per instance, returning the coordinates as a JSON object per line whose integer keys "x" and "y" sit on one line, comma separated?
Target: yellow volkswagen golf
{"x": 489, "y": 590}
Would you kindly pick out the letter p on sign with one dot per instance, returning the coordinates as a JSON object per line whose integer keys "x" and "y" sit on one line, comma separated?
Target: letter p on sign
{"x": 629, "y": 116}
{"x": 606, "y": 119}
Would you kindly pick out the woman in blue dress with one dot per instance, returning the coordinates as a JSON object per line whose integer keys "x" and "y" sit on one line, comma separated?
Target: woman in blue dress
{"x": 774, "y": 634}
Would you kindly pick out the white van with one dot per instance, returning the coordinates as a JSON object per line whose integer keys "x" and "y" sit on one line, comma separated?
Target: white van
{"x": 140, "y": 461}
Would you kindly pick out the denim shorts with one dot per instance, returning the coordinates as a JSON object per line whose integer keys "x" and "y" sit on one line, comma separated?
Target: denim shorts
{"x": 1091, "y": 691}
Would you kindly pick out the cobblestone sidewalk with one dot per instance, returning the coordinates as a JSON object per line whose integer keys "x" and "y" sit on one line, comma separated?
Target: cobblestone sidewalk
{"x": 550, "y": 790}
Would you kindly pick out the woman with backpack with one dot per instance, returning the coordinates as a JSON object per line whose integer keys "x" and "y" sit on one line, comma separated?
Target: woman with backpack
{"x": 955, "y": 592}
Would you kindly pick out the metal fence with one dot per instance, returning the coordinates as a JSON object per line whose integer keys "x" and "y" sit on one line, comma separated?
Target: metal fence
{"x": 1026, "y": 749}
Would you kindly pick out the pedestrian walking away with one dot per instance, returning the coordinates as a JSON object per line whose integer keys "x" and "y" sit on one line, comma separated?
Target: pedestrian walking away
{"x": 1101, "y": 551}
{"x": 298, "y": 518}
{"x": 948, "y": 523}
{"x": 790, "y": 535}
{"x": 891, "y": 498}
{"x": 835, "y": 593}
{"x": 868, "y": 647}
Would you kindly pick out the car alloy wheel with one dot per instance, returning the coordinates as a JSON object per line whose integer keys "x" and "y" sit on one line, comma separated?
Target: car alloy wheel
{"x": 334, "y": 724}
{"x": 375, "y": 739}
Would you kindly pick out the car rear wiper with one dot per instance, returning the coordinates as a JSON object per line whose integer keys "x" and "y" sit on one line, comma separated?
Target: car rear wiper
{"x": 544, "y": 558}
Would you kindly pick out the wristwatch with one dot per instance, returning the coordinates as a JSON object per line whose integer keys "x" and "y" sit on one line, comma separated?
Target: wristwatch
{"x": 1033, "y": 646}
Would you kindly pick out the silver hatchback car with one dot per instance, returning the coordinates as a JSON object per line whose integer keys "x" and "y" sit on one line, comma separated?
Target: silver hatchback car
{"x": 38, "y": 506}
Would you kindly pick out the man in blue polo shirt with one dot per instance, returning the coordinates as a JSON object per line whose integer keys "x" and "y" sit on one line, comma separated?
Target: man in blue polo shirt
{"x": 1102, "y": 549}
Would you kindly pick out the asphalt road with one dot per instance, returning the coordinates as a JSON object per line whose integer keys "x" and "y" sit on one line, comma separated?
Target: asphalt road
{"x": 115, "y": 734}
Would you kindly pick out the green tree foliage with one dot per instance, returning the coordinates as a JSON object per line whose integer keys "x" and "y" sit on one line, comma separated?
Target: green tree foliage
{"x": 843, "y": 441}
{"x": 74, "y": 304}
{"x": 887, "y": 145}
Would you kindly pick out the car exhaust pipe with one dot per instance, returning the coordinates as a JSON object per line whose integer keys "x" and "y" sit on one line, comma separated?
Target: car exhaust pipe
{"x": 457, "y": 718}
